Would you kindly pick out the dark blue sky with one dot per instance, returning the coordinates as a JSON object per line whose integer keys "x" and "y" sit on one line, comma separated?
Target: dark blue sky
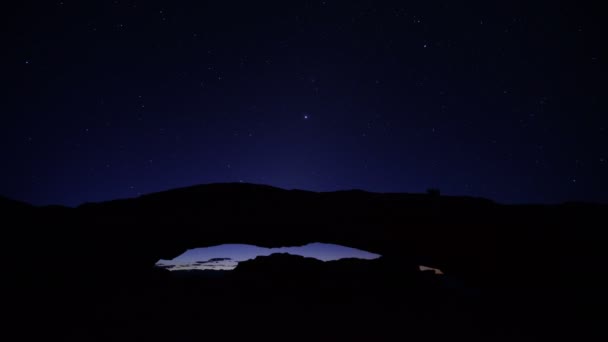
{"x": 107, "y": 99}
{"x": 226, "y": 257}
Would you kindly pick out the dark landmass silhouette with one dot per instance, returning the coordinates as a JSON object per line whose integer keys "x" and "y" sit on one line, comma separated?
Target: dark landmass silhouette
{"x": 512, "y": 272}
{"x": 213, "y": 260}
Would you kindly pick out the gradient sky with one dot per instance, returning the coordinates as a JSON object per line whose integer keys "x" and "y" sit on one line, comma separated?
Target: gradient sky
{"x": 240, "y": 252}
{"x": 109, "y": 99}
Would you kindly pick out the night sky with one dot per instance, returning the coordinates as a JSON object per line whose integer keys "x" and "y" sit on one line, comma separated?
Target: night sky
{"x": 112, "y": 99}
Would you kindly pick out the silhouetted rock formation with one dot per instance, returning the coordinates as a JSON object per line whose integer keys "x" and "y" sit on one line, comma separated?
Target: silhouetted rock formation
{"x": 469, "y": 237}
{"x": 500, "y": 261}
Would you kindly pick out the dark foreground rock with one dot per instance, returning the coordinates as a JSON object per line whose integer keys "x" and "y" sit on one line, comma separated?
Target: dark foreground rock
{"x": 515, "y": 273}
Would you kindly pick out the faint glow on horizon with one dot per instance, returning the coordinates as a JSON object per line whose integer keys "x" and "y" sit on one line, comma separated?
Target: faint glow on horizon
{"x": 227, "y": 256}
{"x": 434, "y": 270}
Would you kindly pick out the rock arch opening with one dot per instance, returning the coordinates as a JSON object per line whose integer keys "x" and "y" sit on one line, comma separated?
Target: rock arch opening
{"x": 227, "y": 256}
